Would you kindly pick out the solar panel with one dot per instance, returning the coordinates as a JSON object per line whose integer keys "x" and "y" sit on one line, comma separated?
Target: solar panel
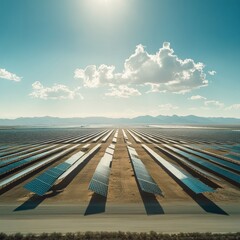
{"x": 219, "y": 161}
{"x": 38, "y": 187}
{"x": 232, "y": 156}
{"x": 63, "y": 166}
{"x": 112, "y": 146}
{"x": 80, "y": 161}
{"x": 32, "y": 168}
{"x": 30, "y": 159}
{"x": 100, "y": 179}
{"x": 208, "y": 165}
{"x": 137, "y": 140}
{"x": 98, "y": 187}
{"x": 181, "y": 175}
{"x": 46, "y": 178}
{"x": 189, "y": 164}
{"x": 104, "y": 170}
{"x": 110, "y": 151}
{"x": 149, "y": 187}
{"x": 145, "y": 181}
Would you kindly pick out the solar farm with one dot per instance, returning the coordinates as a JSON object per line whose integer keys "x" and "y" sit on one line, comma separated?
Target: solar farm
{"x": 120, "y": 171}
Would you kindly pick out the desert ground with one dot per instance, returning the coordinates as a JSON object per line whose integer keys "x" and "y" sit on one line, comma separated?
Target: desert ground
{"x": 71, "y": 207}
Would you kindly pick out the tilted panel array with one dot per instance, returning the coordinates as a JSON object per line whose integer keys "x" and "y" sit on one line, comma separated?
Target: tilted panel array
{"x": 107, "y": 136}
{"x": 188, "y": 163}
{"x": 82, "y": 160}
{"x": 234, "y": 177}
{"x": 36, "y": 166}
{"x": 42, "y": 183}
{"x": 124, "y": 135}
{"x": 224, "y": 163}
{"x": 100, "y": 179}
{"x": 28, "y": 160}
{"x": 19, "y": 157}
{"x": 137, "y": 140}
{"x": 186, "y": 179}
{"x": 144, "y": 179}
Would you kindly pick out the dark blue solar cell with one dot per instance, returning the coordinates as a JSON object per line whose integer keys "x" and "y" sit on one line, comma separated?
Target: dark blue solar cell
{"x": 149, "y": 187}
{"x": 98, "y": 187}
{"x": 57, "y": 171}
{"x": 214, "y": 159}
{"x": 38, "y": 187}
{"x": 208, "y": 165}
{"x": 46, "y": 178}
{"x": 145, "y": 177}
{"x": 146, "y": 182}
{"x": 232, "y": 156}
{"x": 52, "y": 173}
{"x": 63, "y": 166}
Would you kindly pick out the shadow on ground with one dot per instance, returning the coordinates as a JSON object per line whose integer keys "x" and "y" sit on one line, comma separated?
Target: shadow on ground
{"x": 30, "y": 204}
{"x": 34, "y": 201}
{"x": 96, "y": 205}
{"x": 207, "y": 205}
{"x": 151, "y": 205}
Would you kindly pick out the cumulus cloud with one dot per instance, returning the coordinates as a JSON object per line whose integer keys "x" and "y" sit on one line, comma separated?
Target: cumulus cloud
{"x": 122, "y": 91}
{"x": 167, "y": 107}
{"x": 57, "y": 91}
{"x": 234, "y": 107}
{"x": 213, "y": 103}
{"x": 9, "y": 76}
{"x": 197, "y": 97}
{"x": 162, "y": 71}
{"x": 212, "y": 73}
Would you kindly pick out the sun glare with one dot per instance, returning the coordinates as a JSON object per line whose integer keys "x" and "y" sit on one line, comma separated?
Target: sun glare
{"x": 102, "y": 6}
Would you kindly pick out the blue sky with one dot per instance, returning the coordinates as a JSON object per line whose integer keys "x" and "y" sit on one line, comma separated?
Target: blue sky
{"x": 119, "y": 58}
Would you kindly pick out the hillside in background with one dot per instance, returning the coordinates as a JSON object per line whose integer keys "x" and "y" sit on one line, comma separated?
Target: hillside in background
{"x": 46, "y": 121}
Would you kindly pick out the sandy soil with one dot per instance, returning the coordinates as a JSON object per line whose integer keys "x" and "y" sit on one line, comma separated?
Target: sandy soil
{"x": 74, "y": 208}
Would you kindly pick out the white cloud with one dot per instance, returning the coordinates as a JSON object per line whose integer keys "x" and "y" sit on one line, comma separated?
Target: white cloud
{"x": 212, "y": 73}
{"x": 167, "y": 107}
{"x": 9, "y": 76}
{"x": 162, "y": 71}
{"x": 234, "y": 107}
{"x": 57, "y": 91}
{"x": 197, "y": 97}
{"x": 213, "y": 103}
{"x": 122, "y": 91}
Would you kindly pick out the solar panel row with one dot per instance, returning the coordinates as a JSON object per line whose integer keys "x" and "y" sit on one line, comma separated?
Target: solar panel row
{"x": 137, "y": 140}
{"x": 124, "y": 135}
{"x": 213, "y": 159}
{"x": 107, "y": 136}
{"x": 116, "y": 134}
{"x": 101, "y": 135}
{"x": 42, "y": 184}
{"x": 208, "y": 165}
{"x": 24, "y": 156}
{"x": 145, "y": 181}
{"x": 100, "y": 178}
{"x": 28, "y": 160}
{"x": 189, "y": 164}
{"x": 34, "y": 167}
{"x": 142, "y": 136}
{"x": 189, "y": 181}
{"x": 94, "y": 135}
{"x": 80, "y": 161}
{"x": 148, "y": 136}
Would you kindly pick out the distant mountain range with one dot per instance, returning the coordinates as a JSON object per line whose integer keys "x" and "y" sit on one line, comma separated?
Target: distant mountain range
{"x": 55, "y": 121}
